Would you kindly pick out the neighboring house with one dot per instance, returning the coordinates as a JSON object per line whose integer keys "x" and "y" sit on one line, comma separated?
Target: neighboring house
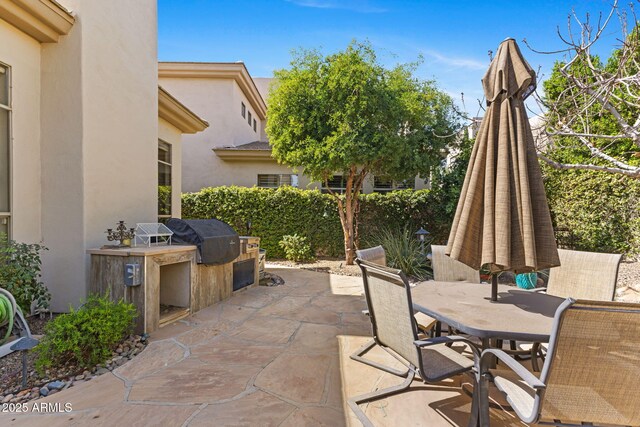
{"x": 81, "y": 116}
{"x": 235, "y": 150}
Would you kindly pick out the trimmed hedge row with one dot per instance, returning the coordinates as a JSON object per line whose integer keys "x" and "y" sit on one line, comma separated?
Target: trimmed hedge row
{"x": 599, "y": 212}
{"x": 274, "y": 213}
{"x": 595, "y": 211}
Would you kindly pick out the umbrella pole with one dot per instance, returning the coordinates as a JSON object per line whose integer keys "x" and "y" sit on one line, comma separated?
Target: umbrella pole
{"x": 494, "y": 287}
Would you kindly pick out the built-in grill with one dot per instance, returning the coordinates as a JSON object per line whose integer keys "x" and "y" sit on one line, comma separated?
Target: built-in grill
{"x": 217, "y": 242}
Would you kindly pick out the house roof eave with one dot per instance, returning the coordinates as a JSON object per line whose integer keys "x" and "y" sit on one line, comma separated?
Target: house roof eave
{"x": 236, "y": 71}
{"x": 176, "y": 113}
{"x": 44, "y": 20}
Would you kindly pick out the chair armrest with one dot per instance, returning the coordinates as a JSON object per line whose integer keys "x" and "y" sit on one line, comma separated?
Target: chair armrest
{"x": 520, "y": 370}
{"x": 448, "y": 339}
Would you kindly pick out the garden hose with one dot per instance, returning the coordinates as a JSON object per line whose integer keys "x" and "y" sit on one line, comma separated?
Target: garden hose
{"x": 8, "y": 308}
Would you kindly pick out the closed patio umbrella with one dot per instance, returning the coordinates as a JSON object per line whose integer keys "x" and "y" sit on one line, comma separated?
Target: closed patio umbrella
{"x": 502, "y": 219}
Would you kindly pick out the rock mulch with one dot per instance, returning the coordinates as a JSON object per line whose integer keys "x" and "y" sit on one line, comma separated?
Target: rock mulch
{"x": 56, "y": 380}
{"x": 325, "y": 265}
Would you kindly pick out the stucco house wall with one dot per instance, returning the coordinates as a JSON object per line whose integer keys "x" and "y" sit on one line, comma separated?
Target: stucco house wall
{"x": 86, "y": 118}
{"x": 99, "y": 110}
{"x": 216, "y": 96}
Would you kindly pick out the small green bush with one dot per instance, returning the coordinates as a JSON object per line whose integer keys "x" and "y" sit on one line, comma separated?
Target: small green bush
{"x": 296, "y": 248}
{"x": 86, "y": 336}
{"x": 404, "y": 252}
{"x": 20, "y": 266}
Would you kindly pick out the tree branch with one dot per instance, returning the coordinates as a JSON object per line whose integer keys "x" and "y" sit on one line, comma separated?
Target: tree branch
{"x": 634, "y": 173}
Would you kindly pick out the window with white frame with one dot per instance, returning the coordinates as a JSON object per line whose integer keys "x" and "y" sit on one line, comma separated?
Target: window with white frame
{"x": 5, "y": 149}
{"x": 276, "y": 180}
{"x": 386, "y": 185}
{"x": 164, "y": 181}
{"x": 337, "y": 184}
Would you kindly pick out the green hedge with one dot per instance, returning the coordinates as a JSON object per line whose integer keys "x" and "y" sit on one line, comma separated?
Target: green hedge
{"x": 598, "y": 211}
{"x": 277, "y": 212}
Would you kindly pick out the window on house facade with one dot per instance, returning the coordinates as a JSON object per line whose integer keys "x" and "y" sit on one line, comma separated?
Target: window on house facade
{"x": 164, "y": 181}
{"x": 5, "y": 150}
{"x": 275, "y": 180}
{"x": 337, "y": 183}
{"x": 249, "y": 119}
{"x": 243, "y": 110}
{"x": 385, "y": 185}
{"x": 254, "y": 125}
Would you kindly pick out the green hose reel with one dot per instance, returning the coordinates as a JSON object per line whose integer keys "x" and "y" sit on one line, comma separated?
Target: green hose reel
{"x": 8, "y": 309}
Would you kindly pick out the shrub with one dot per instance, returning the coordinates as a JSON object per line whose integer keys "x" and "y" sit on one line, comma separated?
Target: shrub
{"x": 86, "y": 336}
{"x": 404, "y": 252}
{"x": 20, "y": 266}
{"x": 296, "y": 248}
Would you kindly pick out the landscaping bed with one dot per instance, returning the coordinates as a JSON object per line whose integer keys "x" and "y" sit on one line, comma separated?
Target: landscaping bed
{"x": 55, "y": 379}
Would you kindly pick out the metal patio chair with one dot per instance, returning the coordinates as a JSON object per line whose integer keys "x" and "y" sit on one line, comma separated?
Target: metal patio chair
{"x": 447, "y": 269}
{"x": 425, "y": 324}
{"x": 590, "y": 375}
{"x": 584, "y": 275}
{"x": 581, "y": 275}
{"x": 389, "y": 300}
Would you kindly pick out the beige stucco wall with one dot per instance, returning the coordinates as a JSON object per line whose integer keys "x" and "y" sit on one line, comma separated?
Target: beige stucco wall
{"x": 100, "y": 134}
{"x": 172, "y": 135}
{"x": 218, "y": 102}
{"x": 22, "y": 54}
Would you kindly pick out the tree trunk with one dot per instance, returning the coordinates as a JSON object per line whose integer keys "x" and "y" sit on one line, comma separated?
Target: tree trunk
{"x": 347, "y": 209}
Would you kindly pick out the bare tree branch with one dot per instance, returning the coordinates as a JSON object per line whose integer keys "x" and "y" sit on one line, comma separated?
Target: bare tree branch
{"x": 597, "y": 105}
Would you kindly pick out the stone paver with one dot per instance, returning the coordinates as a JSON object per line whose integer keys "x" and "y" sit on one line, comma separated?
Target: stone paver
{"x": 192, "y": 381}
{"x": 268, "y": 356}
{"x": 157, "y": 355}
{"x": 255, "y": 409}
{"x": 297, "y": 377}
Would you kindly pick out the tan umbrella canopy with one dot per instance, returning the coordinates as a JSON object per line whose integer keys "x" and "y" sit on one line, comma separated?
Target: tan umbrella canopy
{"x": 503, "y": 218}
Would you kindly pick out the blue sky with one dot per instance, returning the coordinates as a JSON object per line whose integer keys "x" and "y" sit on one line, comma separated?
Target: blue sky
{"x": 452, "y": 36}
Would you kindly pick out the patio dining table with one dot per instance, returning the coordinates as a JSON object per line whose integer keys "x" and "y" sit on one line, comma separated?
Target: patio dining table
{"x": 517, "y": 315}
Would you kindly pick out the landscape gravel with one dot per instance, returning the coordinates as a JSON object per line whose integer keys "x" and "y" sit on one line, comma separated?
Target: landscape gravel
{"x": 55, "y": 380}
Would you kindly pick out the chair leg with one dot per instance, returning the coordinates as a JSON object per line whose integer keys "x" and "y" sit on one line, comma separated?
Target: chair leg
{"x": 483, "y": 399}
{"x": 358, "y": 356}
{"x": 369, "y": 397}
{"x": 474, "y": 419}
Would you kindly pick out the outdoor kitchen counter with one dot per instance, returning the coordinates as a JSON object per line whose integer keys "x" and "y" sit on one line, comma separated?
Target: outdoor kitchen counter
{"x": 167, "y": 275}
{"x": 142, "y": 250}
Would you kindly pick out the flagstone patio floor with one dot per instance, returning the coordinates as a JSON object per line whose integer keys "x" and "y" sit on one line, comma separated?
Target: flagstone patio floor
{"x": 268, "y": 356}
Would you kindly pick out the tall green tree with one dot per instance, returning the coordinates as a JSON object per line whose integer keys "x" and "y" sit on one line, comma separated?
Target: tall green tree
{"x": 345, "y": 113}
{"x": 592, "y": 119}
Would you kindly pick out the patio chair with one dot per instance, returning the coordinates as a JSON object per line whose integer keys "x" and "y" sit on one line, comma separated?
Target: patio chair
{"x": 581, "y": 275}
{"x": 447, "y": 269}
{"x": 584, "y": 275}
{"x": 590, "y": 376}
{"x": 425, "y": 324}
{"x": 389, "y": 300}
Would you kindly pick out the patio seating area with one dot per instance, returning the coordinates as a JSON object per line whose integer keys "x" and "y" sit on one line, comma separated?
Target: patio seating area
{"x": 267, "y": 356}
